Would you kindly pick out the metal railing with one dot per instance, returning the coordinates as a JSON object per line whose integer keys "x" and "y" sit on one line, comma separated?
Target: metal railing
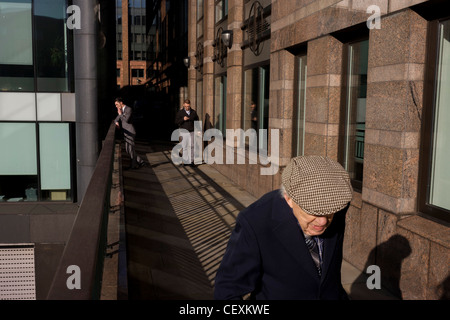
{"x": 79, "y": 273}
{"x": 359, "y": 141}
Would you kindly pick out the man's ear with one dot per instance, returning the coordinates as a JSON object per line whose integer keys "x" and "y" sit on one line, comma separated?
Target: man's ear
{"x": 289, "y": 200}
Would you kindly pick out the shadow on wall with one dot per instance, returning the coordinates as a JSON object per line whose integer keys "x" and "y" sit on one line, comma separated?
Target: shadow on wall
{"x": 388, "y": 256}
{"x": 444, "y": 289}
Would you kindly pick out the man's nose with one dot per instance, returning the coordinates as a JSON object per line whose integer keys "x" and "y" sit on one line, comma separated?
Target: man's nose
{"x": 321, "y": 221}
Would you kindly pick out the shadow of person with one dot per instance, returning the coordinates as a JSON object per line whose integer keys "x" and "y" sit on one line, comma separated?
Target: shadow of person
{"x": 444, "y": 287}
{"x": 388, "y": 256}
{"x": 206, "y": 126}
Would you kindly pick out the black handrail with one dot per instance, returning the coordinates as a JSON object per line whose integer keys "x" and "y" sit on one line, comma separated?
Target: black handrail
{"x": 84, "y": 253}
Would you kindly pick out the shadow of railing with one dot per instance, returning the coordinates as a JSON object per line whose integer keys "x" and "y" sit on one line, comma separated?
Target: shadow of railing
{"x": 79, "y": 273}
{"x": 204, "y": 218}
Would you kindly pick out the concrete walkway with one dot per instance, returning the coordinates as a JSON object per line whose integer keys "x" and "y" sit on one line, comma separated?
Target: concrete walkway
{"x": 178, "y": 222}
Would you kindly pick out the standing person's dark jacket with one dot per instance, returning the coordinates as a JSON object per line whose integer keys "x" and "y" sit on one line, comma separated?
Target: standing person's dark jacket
{"x": 267, "y": 256}
{"x": 127, "y": 120}
{"x": 186, "y": 124}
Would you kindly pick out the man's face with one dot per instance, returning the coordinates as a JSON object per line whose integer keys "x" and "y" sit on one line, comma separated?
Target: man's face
{"x": 186, "y": 106}
{"x": 311, "y": 225}
{"x": 119, "y": 104}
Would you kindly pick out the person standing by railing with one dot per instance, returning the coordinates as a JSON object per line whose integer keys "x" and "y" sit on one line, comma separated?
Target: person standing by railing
{"x": 125, "y": 117}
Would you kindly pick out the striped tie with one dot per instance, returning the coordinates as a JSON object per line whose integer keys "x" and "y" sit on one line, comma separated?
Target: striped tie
{"x": 314, "y": 245}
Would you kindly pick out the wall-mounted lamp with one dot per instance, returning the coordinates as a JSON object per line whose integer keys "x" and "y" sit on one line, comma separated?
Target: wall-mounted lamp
{"x": 187, "y": 62}
{"x": 227, "y": 38}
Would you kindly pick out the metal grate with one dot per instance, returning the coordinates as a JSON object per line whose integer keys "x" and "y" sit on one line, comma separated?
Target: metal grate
{"x": 17, "y": 276}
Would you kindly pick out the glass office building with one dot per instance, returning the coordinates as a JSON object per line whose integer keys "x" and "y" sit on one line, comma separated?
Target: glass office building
{"x": 37, "y": 101}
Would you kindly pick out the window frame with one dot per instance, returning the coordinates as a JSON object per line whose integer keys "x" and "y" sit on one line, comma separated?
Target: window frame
{"x": 424, "y": 206}
{"x": 72, "y": 192}
{"x": 296, "y": 117}
{"x": 200, "y": 18}
{"x": 220, "y": 103}
{"x": 256, "y": 68}
{"x": 224, "y": 5}
{"x": 34, "y": 70}
{"x": 342, "y": 150}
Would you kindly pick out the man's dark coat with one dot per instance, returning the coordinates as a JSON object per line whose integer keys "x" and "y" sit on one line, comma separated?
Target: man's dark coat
{"x": 267, "y": 256}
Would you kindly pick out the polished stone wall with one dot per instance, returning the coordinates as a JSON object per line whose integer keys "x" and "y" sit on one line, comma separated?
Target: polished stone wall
{"x": 383, "y": 224}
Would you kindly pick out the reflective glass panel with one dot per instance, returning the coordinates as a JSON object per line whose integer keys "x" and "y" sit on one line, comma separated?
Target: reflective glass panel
{"x": 440, "y": 177}
{"x": 16, "y": 32}
{"x": 299, "y": 123}
{"x": 51, "y": 37}
{"x": 16, "y": 46}
{"x": 356, "y": 109}
{"x": 54, "y": 151}
{"x": 220, "y": 102}
{"x": 18, "y": 145}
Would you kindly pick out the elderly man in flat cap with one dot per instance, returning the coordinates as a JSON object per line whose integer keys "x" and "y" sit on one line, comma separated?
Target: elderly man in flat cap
{"x": 288, "y": 244}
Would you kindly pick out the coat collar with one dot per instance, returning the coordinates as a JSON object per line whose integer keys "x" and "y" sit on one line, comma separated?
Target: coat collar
{"x": 288, "y": 231}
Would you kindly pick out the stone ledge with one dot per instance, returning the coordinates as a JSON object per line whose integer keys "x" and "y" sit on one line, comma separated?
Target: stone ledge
{"x": 31, "y": 208}
{"x": 427, "y": 229}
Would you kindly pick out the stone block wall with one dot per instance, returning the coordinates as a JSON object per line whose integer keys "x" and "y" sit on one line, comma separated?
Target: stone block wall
{"x": 384, "y": 226}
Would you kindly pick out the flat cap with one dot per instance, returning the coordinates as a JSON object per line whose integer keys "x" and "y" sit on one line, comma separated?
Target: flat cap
{"x": 318, "y": 185}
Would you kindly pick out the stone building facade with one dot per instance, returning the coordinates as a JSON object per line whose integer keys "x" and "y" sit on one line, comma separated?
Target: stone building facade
{"x": 357, "y": 81}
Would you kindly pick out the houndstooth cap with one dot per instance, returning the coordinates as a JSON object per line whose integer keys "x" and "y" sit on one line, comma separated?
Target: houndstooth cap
{"x": 318, "y": 185}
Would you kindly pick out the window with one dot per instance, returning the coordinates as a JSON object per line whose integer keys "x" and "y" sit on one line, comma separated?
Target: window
{"x": 37, "y": 164}
{"x": 35, "y": 69}
{"x": 119, "y": 13}
{"x": 256, "y": 99}
{"x": 440, "y": 171}
{"x": 20, "y": 140}
{"x": 137, "y": 73}
{"x": 16, "y": 58}
{"x": 220, "y": 104}
{"x": 199, "y": 9}
{"x": 54, "y": 164}
{"x": 300, "y": 105}
{"x": 135, "y": 3}
{"x": 199, "y": 18}
{"x": 352, "y": 150}
{"x": 435, "y": 164}
{"x": 36, "y": 57}
{"x": 51, "y": 37}
{"x": 221, "y": 9}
